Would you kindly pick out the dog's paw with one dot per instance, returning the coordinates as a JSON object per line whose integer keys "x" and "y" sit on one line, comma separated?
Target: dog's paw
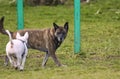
{"x": 63, "y": 65}
{"x": 6, "y": 64}
{"x": 21, "y": 68}
{"x": 16, "y": 68}
{"x": 43, "y": 67}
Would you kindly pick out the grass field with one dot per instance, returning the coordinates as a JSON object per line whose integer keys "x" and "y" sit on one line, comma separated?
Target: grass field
{"x": 100, "y": 41}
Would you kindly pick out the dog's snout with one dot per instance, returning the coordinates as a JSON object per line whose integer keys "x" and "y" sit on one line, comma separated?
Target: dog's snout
{"x": 61, "y": 39}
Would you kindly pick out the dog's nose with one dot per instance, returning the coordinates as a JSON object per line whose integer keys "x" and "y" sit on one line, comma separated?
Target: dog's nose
{"x": 61, "y": 39}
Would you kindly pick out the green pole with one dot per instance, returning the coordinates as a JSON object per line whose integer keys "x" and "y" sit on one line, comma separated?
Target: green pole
{"x": 20, "y": 14}
{"x": 76, "y": 26}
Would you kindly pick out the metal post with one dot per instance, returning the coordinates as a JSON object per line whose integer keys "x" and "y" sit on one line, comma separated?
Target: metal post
{"x": 20, "y": 14}
{"x": 76, "y": 26}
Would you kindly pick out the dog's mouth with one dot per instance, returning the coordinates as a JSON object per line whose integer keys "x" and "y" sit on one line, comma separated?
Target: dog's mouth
{"x": 60, "y": 39}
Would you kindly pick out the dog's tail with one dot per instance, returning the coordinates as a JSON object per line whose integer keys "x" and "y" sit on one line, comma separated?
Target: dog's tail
{"x": 2, "y": 29}
{"x": 10, "y": 37}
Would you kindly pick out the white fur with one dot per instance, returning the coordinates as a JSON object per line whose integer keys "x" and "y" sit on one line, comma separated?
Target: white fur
{"x": 18, "y": 48}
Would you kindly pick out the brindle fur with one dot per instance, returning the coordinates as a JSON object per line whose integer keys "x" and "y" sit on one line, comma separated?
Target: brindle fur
{"x": 45, "y": 40}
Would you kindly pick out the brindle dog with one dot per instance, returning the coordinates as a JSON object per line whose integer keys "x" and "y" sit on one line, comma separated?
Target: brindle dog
{"x": 46, "y": 40}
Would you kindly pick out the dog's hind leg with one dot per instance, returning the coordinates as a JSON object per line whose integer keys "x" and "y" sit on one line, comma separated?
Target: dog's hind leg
{"x": 6, "y": 60}
{"x": 10, "y": 59}
{"x": 45, "y": 59}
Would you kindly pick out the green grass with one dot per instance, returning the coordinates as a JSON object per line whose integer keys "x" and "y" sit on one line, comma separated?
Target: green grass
{"x": 100, "y": 41}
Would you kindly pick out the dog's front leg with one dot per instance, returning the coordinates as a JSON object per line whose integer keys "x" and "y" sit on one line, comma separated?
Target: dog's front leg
{"x": 23, "y": 63}
{"x": 24, "y": 59}
{"x": 10, "y": 59}
{"x": 45, "y": 59}
{"x": 54, "y": 57}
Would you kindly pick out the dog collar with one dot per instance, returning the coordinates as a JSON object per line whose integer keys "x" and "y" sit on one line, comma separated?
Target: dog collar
{"x": 21, "y": 40}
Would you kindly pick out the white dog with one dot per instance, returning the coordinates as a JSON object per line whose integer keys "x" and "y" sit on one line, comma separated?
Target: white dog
{"x": 16, "y": 50}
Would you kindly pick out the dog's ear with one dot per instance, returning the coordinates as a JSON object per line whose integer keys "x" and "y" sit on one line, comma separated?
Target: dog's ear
{"x": 26, "y": 35}
{"x": 66, "y": 26}
{"x": 18, "y": 35}
{"x": 55, "y": 26}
